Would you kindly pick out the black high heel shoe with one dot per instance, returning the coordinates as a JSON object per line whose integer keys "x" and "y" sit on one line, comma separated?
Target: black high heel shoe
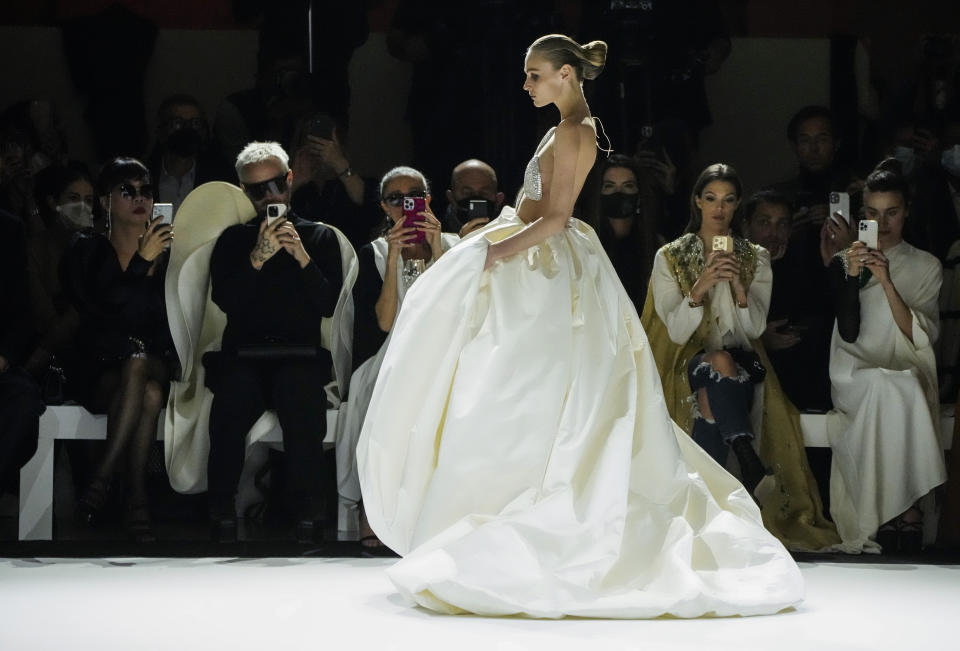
{"x": 136, "y": 521}
{"x": 91, "y": 505}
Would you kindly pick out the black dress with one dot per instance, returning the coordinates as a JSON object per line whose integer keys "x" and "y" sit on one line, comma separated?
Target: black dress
{"x": 122, "y": 312}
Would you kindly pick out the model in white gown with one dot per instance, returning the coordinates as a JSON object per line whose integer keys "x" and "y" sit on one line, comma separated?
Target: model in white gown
{"x": 518, "y": 452}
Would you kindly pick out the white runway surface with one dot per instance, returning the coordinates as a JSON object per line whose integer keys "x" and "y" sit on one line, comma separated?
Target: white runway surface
{"x": 322, "y": 603}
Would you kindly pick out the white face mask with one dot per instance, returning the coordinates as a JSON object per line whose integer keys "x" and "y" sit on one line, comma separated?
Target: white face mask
{"x": 78, "y": 214}
{"x": 950, "y": 159}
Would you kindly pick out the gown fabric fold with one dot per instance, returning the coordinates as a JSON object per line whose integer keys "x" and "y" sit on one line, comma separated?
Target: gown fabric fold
{"x": 518, "y": 452}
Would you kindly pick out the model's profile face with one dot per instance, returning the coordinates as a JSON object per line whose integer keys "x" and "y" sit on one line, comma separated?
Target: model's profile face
{"x": 717, "y": 203}
{"x": 889, "y": 210}
{"x": 543, "y": 82}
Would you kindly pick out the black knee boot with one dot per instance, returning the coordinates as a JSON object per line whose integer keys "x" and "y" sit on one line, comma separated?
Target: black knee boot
{"x": 752, "y": 470}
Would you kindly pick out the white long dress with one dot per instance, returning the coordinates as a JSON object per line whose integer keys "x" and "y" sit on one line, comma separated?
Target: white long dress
{"x": 885, "y": 429}
{"x": 518, "y": 452}
{"x": 354, "y": 410}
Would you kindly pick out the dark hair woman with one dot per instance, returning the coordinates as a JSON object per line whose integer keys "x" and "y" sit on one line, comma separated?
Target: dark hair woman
{"x": 115, "y": 282}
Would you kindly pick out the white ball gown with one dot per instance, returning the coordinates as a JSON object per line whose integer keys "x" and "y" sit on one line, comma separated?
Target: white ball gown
{"x": 518, "y": 452}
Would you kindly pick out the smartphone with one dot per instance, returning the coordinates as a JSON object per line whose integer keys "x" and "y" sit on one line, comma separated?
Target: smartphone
{"x": 869, "y": 232}
{"x": 321, "y": 125}
{"x": 275, "y": 211}
{"x": 478, "y": 208}
{"x": 840, "y": 203}
{"x": 722, "y": 243}
{"x": 164, "y": 211}
{"x": 412, "y": 206}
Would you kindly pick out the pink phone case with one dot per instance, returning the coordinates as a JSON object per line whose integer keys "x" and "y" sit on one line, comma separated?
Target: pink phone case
{"x": 411, "y": 207}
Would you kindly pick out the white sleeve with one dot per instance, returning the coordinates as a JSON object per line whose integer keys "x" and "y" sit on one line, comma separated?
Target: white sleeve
{"x": 753, "y": 318}
{"x": 926, "y": 307}
{"x": 671, "y": 305}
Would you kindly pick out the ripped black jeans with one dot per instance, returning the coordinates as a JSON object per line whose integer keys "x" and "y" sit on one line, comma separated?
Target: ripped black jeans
{"x": 730, "y": 400}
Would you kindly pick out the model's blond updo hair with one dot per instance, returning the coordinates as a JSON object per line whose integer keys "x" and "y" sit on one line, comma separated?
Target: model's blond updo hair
{"x": 587, "y": 60}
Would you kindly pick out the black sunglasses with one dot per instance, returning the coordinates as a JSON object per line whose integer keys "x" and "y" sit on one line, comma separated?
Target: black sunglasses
{"x": 396, "y": 198}
{"x": 257, "y": 191}
{"x": 130, "y": 191}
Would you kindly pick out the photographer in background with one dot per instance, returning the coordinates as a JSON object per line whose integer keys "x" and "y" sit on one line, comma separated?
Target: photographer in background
{"x": 473, "y": 198}
{"x": 275, "y": 277}
{"x": 182, "y": 158}
{"x": 325, "y": 186}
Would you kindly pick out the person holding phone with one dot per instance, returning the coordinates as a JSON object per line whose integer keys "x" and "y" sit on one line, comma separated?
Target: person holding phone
{"x": 116, "y": 284}
{"x": 517, "y": 450}
{"x": 276, "y": 277}
{"x": 387, "y": 270}
{"x": 705, "y": 312}
{"x": 884, "y": 431}
{"x": 326, "y": 186}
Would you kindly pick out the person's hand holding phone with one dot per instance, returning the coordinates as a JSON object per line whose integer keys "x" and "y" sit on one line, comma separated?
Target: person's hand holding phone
{"x": 856, "y": 257}
{"x": 267, "y": 244}
{"x": 473, "y": 225}
{"x": 878, "y": 265}
{"x": 289, "y": 239}
{"x": 836, "y": 234}
{"x": 155, "y": 239}
{"x": 663, "y": 169}
{"x": 328, "y": 151}
{"x": 429, "y": 225}
{"x": 398, "y": 238}
{"x": 720, "y": 266}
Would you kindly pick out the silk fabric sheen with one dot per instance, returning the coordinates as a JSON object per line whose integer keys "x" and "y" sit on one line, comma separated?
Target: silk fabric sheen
{"x": 518, "y": 452}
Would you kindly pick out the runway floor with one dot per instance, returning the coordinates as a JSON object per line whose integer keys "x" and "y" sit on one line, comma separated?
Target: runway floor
{"x": 348, "y": 603}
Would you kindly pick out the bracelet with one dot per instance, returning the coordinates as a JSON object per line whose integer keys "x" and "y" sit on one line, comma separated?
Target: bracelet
{"x": 347, "y": 173}
{"x": 744, "y": 305}
{"x": 693, "y": 303}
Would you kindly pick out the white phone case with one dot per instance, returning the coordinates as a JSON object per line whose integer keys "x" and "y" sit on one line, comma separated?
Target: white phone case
{"x": 840, "y": 202}
{"x": 869, "y": 232}
{"x": 164, "y": 211}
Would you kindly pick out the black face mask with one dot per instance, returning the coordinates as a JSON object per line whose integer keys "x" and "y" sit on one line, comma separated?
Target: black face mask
{"x": 474, "y": 207}
{"x": 618, "y": 205}
{"x": 185, "y": 141}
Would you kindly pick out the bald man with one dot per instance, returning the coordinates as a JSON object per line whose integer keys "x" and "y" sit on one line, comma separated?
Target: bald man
{"x": 473, "y": 198}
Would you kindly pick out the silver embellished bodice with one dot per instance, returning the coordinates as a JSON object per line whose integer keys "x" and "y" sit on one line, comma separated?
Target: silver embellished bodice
{"x": 532, "y": 180}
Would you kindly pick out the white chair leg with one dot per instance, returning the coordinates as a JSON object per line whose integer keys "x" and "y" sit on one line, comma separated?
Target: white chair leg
{"x": 36, "y": 494}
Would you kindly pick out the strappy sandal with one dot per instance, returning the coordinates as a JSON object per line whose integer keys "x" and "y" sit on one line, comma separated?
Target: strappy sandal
{"x": 91, "y": 505}
{"x": 137, "y": 523}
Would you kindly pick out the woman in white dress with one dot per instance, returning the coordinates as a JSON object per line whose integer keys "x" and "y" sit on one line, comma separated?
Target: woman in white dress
{"x": 517, "y": 451}
{"x": 884, "y": 432}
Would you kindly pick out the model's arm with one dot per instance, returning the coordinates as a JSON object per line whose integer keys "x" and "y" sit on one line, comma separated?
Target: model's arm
{"x": 562, "y": 195}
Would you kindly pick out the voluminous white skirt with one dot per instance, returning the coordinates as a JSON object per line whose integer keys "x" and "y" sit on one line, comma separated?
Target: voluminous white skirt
{"x": 518, "y": 452}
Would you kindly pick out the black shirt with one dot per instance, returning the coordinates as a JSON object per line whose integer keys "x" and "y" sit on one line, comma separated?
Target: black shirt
{"x": 119, "y": 310}
{"x": 280, "y": 303}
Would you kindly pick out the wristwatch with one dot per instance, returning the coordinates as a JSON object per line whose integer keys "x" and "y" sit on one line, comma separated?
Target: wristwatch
{"x": 347, "y": 173}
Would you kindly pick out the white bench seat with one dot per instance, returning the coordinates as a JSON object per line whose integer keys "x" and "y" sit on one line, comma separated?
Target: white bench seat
{"x": 73, "y": 423}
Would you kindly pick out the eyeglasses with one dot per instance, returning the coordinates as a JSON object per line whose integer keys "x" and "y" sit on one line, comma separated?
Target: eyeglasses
{"x": 257, "y": 191}
{"x": 396, "y": 198}
{"x": 173, "y": 124}
{"x": 131, "y": 192}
